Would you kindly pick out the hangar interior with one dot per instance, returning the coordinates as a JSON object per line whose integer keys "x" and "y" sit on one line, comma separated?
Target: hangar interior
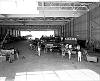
{"x": 80, "y": 20}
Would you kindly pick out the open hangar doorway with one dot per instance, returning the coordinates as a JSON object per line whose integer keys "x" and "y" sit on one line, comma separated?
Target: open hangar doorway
{"x": 37, "y": 33}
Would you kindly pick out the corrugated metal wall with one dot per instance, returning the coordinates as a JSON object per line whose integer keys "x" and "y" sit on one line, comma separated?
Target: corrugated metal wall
{"x": 80, "y": 27}
{"x": 86, "y": 27}
{"x": 95, "y": 24}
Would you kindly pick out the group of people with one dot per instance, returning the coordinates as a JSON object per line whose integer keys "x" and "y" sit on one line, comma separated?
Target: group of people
{"x": 37, "y": 48}
{"x": 68, "y": 49}
{"x": 10, "y": 55}
{"x": 65, "y": 49}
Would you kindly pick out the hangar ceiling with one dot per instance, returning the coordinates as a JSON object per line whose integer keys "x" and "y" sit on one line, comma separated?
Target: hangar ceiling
{"x": 50, "y": 12}
{"x": 44, "y": 8}
{"x": 34, "y": 20}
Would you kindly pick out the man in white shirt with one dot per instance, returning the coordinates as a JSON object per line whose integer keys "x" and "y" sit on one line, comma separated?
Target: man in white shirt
{"x": 69, "y": 53}
{"x": 70, "y": 46}
{"x": 31, "y": 46}
{"x": 39, "y": 50}
{"x": 79, "y": 56}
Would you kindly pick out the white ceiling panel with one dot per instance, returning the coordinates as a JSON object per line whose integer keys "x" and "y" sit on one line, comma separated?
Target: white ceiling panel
{"x": 28, "y": 8}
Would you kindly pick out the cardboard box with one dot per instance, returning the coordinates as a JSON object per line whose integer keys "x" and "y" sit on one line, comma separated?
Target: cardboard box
{"x": 92, "y": 58}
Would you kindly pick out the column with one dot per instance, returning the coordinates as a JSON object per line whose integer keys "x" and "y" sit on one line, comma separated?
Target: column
{"x": 19, "y": 33}
{"x": 12, "y": 31}
{"x": 15, "y": 33}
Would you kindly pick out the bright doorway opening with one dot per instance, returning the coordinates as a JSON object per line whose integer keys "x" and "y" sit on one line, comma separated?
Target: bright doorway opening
{"x": 37, "y": 34}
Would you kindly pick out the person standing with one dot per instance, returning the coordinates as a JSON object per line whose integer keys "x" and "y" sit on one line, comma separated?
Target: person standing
{"x": 69, "y": 53}
{"x": 39, "y": 50}
{"x": 63, "y": 52}
{"x": 70, "y": 46}
{"x": 79, "y": 56}
{"x": 31, "y": 46}
{"x": 78, "y": 47}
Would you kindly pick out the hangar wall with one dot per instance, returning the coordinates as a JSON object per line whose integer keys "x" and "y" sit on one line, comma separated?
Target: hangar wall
{"x": 5, "y": 29}
{"x": 14, "y": 30}
{"x": 95, "y": 23}
{"x": 80, "y": 27}
{"x": 86, "y": 27}
{"x": 95, "y": 26}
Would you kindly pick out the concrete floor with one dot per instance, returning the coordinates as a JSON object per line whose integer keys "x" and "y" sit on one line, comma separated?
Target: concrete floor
{"x": 47, "y": 67}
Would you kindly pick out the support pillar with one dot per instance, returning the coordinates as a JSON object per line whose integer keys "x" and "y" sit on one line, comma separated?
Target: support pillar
{"x": 63, "y": 30}
{"x": 12, "y": 31}
{"x": 73, "y": 27}
{"x": 70, "y": 27}
{"x": 15, "y": 33}
{"x": 89, "y": 26}
{"x": 68, "y": 30}
{"x": 19, "y": 33}
{"x": 1, "y": 30}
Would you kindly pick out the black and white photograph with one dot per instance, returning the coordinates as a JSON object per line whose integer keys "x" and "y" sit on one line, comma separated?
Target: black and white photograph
{"x": 49, "y": 40}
